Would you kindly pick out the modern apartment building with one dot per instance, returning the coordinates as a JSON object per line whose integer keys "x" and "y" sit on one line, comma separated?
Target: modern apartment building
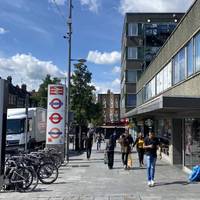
{"x": 143, "y": 35}
{"x": 111, "y": 106}
{"x": 168, "y": 93}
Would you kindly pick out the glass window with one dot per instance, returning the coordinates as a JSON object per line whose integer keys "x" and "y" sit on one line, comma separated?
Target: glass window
{"x": 197, "y": 52}
{"x": 15, "y": 126}
{"x": 179, "y": 66}
{"x": 167, "y": 76}
{"x": 164, "y": 133}
{"x": 190, "y": 65}
{"x": 150, "y": 89}
{"x": 131, "y": 100}
{"x": 131, "y": 76}
{"x": 132, "y": 53}
{"x": 192, "y": 141}
{"x": 132, "y": 29}
{"x": 140, "y": 98}
{"x": 160, "y": 82}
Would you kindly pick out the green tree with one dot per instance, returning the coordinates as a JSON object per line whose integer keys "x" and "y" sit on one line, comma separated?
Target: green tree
{"x": 41, "y": 97}
{"x": 82, "y": 94}
{"x": 95, "y": 113}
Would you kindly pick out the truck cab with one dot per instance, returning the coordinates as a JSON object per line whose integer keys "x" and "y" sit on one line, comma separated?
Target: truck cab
{"x": 16, "y": 118}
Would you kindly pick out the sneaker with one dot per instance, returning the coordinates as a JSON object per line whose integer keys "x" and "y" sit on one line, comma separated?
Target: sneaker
{"x": 149, "y": 183}
{"x": 152, "y": 183}
{"x": 125, "y": 167}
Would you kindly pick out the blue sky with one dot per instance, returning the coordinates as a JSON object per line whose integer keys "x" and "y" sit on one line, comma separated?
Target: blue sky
{"x": 32, "y": 43}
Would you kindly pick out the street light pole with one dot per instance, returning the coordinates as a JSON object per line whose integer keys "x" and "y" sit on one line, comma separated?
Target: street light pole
{"x": 69, "y": 23}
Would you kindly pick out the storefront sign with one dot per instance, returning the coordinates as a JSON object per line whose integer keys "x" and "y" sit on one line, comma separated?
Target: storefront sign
{"x": 149, "y": 122}
{"x": 56, "y": 114}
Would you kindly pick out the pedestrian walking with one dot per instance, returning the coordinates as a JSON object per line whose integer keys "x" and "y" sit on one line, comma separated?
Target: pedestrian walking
{"x": 125, "y": 141}
{"x": 99, "y": 140}
{"x": 110, "y": 147}
{"x": 88, "y": 144}
{"x": 139, "y": 142}
{"x": 151, "y": 145}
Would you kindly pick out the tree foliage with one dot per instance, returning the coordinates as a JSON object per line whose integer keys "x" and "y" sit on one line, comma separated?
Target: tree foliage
{"x": 82, "y": 96}
{"x": 41, "y": 97}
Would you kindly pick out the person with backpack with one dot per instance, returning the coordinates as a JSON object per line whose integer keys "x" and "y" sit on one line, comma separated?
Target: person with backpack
{"x": 139, "y": 142}
{"x": 88, "y": 144}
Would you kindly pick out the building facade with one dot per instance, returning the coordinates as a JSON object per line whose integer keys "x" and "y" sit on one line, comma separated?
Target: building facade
{"x": 168, "y": 93}
{"x": 111, "y": 107}
{"x": 143, "y": 35}
{"x": 17, "y": 96}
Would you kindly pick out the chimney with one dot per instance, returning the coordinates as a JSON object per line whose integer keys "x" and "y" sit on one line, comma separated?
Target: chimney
{"x": 9, "y": 79}
{"x": 23, "y": 87}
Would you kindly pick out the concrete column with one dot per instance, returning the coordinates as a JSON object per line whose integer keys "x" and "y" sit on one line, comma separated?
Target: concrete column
{"x": 177, "y": 135}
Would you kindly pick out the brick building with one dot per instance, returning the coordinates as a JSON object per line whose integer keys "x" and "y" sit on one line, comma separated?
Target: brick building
{"x": 111, "y": 106}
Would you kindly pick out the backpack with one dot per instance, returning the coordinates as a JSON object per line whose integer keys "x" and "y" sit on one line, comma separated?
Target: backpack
{"x": 195, "y": 174}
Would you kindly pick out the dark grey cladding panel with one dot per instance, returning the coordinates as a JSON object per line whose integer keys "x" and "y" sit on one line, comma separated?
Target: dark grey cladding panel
{"x": 181, "y": 102}
{"x": 166, "y": 104}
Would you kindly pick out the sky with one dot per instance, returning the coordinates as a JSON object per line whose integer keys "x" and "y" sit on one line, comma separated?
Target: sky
{"x": 32, "y": 43}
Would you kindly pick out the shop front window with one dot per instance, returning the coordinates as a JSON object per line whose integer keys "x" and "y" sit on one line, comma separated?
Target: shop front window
{"x": 164, "y": 133}
{"x": 192, "y": 142}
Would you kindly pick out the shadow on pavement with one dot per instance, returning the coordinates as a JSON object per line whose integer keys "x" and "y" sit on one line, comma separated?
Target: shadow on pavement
{"x": 172, "y": 183}
{"x": 61, "y": 182}
{"x": 40, "y": 190}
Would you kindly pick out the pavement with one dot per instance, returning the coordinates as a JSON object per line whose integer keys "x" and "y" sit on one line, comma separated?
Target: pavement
{"x": 92, "y": 180}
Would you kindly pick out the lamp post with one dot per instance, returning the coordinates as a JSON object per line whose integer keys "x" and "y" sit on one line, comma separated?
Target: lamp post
{"x": 69, "y": 37}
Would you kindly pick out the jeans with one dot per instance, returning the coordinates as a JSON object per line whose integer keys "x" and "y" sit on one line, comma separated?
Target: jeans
{"x": 125, "y": 158}
{"x": 151, "y": 163}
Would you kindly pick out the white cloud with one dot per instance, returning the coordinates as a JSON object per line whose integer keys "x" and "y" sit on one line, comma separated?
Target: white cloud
{"x": 116, "y": 70}
{"x": 58, "y": 2}
{"x": 3, "y": 31}
{"x": 103, "y": 87}
{"x": 104, "y": 58}
{"x": 24, "y": 68}
{"x": 154, "y": 5}
{"x": 93, "y": 5}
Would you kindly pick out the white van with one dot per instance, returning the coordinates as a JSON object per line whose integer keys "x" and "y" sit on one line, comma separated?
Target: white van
{"x": 16, "y": 120}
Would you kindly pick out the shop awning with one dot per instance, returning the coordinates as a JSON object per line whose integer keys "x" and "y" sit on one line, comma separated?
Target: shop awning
{"x": 163, "y": 104}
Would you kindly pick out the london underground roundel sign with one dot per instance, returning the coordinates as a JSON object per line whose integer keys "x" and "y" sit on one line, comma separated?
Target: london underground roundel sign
{"x": 55, "y": 118}
{"x": 55, "y": 133}
{"x": 56, "y": 103}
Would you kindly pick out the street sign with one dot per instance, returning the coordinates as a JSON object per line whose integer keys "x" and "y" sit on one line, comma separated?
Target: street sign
{"x": 56, "y": 103}
{"x": 55, "y": 118}
{"x": 55, "y": 132}
{"x": 56, "y": 90}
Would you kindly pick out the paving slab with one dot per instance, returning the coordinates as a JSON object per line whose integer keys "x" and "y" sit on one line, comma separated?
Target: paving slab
{"x": 92, "y": 180}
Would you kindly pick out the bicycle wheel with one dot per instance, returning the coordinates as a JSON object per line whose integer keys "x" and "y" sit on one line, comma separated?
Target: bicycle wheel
{"x": 57, "y": 159}
{"x": 22, "y": 178}
{"x": 47, "y": 173}
{"x": 35, "y": 181}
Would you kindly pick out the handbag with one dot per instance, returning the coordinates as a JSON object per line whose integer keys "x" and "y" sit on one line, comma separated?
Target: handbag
{"x": 130, "y": 161}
